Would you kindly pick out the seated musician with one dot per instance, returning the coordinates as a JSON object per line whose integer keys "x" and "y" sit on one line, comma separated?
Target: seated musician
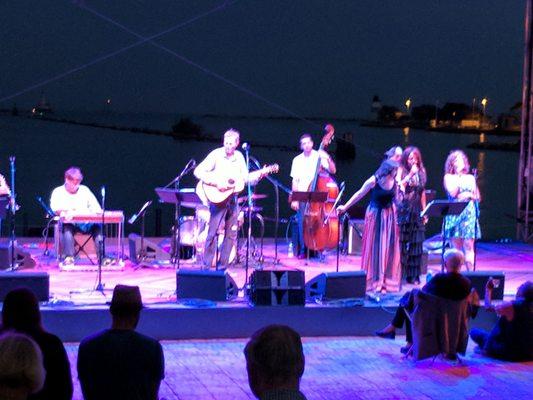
{"x": 224, "y": 169}
{"x": 70, "y": 199}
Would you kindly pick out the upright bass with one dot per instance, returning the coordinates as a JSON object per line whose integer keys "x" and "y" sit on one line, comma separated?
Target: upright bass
{"x": 321, "y": 222}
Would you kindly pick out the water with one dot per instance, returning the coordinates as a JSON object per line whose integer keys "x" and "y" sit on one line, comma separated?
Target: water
{"x": 131, "y": 165}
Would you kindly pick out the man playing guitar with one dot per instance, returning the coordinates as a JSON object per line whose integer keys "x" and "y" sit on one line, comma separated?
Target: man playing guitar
{"x": 223, "y": 174}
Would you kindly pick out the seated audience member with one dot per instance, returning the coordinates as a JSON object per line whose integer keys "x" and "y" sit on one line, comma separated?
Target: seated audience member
{"x": 120, "y": 363}
{"x": 450, "y": 285}
{"x": 512, "y": 337}
{"x": 21, "y": 313}
{"x": 21, "y": 366}
{"x": 275, "y": 363}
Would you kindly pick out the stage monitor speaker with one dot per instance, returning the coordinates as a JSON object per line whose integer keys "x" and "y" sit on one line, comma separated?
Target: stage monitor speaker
{"x": 154, "y": 251}
{"x": 337, "y": 285}
{"x": 208, "y": 285}
{"x": 355, "y": 236}
{"x": 23, "y": 259}
{"x": 479, "y": 280}
{"x": 277, "y": 287}
{"x": 37, "y": 282}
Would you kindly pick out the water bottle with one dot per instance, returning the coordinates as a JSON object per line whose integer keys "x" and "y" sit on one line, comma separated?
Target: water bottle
{"x": 429, "y": 275}
{"x": 290, "y": 251}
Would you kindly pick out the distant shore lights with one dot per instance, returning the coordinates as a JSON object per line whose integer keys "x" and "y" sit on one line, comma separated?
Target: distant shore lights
{"x": 408, "y": 105}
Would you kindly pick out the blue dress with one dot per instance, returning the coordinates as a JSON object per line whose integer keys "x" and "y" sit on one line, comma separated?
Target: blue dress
{"x": 466, "y": 224}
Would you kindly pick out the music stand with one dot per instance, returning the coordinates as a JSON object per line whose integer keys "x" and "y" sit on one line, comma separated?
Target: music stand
{"x": 443, "y": 208}
{"x": 309, "y": 197}
{"x": 186, "y": 197}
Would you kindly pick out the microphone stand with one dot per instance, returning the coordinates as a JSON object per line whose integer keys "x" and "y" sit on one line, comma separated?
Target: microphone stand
{"x": 476, "y": 209}
{"x": 276, "y": 185}
{"x": 141, "y": 213}
{"x": 13, "y": 210}
{"x": 249, "y": 234}
{"x": 101, "y": 253}
{"x": 176, "y": 229}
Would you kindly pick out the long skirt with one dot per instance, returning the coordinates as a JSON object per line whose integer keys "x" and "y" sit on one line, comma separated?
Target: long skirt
{"x": 381, "y": 249}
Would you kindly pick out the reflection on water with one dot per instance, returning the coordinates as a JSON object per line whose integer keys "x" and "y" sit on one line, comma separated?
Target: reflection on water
{"x": 406, "y": 134}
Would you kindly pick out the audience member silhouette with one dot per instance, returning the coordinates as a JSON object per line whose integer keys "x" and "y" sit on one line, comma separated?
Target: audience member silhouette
{"x": 450, "y": 285}
{"x": 21, "y": 313}
{"x": 21, "y": 366}
{"x": 275, "y": 363}
{"x": 512, "y": 337}
{"x": 119, "y": 363}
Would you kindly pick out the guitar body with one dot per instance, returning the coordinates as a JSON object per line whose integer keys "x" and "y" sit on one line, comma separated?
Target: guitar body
{"x": 214, "y": 195}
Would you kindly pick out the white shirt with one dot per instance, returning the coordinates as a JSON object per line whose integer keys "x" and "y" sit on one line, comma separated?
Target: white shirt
{"x": 218, "y": 165}
{"x": 83, "y": 201}
{"x": 303, "y": 170}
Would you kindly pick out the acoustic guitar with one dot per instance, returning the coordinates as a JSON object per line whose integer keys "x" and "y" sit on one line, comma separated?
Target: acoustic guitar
{"x": 214, "y": 195}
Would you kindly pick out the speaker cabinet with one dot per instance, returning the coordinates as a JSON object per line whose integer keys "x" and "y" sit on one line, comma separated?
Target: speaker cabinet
{"x": 23, "y": 259}
{"x": 208, "y": 285}
{"x": 154, "y": 251}
{"x": 37, "y": 282}
{"x": 479, "y": 280}
{"x": 337, "y": 285}
{"x": 277, "y": 288}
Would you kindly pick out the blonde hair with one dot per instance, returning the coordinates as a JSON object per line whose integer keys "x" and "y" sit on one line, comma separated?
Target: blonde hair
{"x": 21, "y": 363}
{"x": 74, "y": 173}
{"x": 232, "y": 133}
{"x": 449, "y": 167}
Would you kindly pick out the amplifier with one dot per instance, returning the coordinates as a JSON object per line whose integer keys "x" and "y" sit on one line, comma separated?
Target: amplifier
{"x": 355, "y": 236}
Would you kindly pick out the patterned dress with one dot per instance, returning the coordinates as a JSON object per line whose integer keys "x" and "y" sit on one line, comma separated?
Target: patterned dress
{"x": 466, "y": 224}
{"x": 380, "y": 256}
{"x": 412, "y": 230}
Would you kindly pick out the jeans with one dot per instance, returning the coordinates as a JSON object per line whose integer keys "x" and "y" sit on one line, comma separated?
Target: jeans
{"x": 222, "y": 215}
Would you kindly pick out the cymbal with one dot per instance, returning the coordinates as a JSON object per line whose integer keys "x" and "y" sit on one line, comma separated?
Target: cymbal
{"x": 255, "y": 196}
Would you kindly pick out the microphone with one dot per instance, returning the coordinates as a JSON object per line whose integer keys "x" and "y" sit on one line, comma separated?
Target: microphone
{"x": 103, "y": 191}
{"x": 191, "y": 163}
{"x": 474, "y": 172}
{"x": 245, "y": 146}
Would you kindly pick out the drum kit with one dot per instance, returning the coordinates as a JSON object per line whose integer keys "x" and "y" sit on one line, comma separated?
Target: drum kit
{"x": 193, "y": 229}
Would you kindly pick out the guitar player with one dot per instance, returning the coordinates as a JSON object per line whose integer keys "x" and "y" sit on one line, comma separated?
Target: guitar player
{"x": 223, "y": 172}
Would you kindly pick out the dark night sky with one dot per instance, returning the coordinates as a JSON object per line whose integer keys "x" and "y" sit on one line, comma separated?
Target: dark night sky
{"x": 312, "y": 57}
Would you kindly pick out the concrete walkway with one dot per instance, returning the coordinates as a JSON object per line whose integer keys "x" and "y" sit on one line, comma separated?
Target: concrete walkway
{"x": 338, "y": 368}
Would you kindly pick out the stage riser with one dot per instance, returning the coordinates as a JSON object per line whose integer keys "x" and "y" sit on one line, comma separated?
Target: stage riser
{"x": 72, "y": 325}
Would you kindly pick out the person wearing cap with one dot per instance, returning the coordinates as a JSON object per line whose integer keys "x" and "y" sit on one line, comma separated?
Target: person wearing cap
{"x": 120, "y": 363}
{"x": 70, "y": 199}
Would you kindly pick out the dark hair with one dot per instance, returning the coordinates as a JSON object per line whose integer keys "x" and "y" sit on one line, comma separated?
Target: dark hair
{"x": 21, "y": 311}
{"x": 525, "y": 291}
{"x": 275, "y": 352}
{"x": 390, "y": 152}
{"x": 305, "y": 136}
{"x": 404, "y": 162}
{"x": 386, "y": 168}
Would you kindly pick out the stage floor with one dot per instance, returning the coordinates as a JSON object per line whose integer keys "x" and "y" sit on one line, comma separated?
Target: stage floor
{"x": 158, "y": 283}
